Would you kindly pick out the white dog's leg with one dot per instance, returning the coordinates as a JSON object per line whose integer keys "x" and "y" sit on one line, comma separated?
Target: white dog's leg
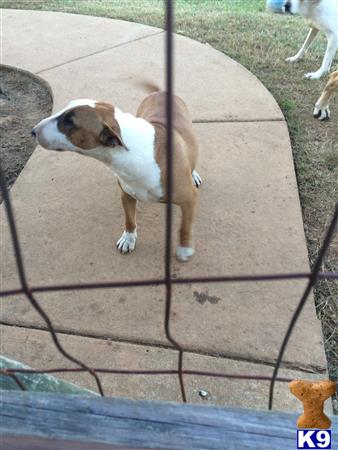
{"x": 332, "y": 45}
{"x": 308, "y": 41}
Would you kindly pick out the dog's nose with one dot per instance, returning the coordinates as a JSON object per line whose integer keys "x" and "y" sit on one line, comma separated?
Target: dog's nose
{"x": 33, "y": 132}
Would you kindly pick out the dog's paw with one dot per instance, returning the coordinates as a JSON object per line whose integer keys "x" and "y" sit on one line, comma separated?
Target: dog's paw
{"x": 183, "y": 254}
{"x": 321, "y": 113}
{"x": 196, "y": 179}
{"x": 127, "y": 242}
{"x": 314, "y": 75}
{"x": 292, "y": 59}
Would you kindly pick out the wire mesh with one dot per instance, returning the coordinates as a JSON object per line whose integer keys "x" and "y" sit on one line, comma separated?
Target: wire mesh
{"x": 167, "y": 280}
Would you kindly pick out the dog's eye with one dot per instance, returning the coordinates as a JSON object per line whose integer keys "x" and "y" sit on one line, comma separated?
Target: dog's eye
{"x": 68, "y": 120}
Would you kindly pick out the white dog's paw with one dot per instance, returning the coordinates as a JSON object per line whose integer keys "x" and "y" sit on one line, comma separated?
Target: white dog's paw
{"x": 321, "y": 113}
{"x": 183, "y": 254}
{"x": 196, "y": 179}
{"x": 314, "y": 75}
{"x": 292, "y": 59}
{"x": 127, "y": 242}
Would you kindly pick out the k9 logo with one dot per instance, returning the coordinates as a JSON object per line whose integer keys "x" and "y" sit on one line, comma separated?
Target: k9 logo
{"x": 313, "y": 438}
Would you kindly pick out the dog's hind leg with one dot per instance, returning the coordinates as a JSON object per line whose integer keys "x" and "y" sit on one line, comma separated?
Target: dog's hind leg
{"x": 322, "y": 111}
{"x": 185, "y": 249}
{"x": 308, "y": 41}
{"x": 127, "y": 241}
{"x": 332, "y": 46}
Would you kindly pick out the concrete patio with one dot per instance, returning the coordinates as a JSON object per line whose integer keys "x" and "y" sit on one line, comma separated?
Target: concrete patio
{"x": 69, "y": 216}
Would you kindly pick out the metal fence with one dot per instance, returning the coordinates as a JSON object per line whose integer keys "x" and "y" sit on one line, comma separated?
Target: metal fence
{"x": 167, "y": 280}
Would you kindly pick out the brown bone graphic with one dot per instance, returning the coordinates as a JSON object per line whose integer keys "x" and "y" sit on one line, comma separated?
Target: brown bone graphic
{"x": 313, "y": 395}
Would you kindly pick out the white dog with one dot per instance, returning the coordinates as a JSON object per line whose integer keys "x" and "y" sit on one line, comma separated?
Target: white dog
{"x": 322, "y": 15}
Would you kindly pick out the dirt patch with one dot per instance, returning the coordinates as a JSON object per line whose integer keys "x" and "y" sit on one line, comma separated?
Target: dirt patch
{"x": 24, "y": 101}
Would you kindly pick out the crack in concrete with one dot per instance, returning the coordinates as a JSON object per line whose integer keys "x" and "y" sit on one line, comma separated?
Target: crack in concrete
{"x": 237, "y": 120}
{"x": 97, "y": 52}
{"x": 313, "y": 369}
{"x": 122, "y": 44}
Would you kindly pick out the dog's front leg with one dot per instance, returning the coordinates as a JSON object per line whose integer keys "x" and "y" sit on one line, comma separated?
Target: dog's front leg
{"x": 127, "y": 241}
{"x": 308, "y": 41}
{"x": 322, "y": 111}
{"x": 332, "y": 45}
{"x": 185, "y": 250}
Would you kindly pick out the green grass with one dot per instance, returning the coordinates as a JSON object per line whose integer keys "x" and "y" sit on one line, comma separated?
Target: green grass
{"x": 114, "y": 8}
{"x": 260, "y": 41}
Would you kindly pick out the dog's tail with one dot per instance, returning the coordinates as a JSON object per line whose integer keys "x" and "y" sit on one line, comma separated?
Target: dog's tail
{"x": 149, "y": 86}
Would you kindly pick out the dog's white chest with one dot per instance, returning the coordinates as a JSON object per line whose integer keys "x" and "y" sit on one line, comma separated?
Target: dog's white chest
{"x": 141, "y": 192}
{"x": 137, "y": 169}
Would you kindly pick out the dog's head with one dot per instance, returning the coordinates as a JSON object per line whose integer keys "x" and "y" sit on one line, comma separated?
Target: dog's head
{"x": 82, "y": 125}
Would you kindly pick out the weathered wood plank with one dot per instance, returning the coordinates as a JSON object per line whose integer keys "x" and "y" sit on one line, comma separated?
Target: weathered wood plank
{"x": 140, "y": 424}
{"x": 37, "y": 443}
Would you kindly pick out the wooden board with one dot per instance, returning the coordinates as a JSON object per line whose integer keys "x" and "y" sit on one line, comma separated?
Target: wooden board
{"x": 28, "y": 443}
{"x": 52, "y": 420}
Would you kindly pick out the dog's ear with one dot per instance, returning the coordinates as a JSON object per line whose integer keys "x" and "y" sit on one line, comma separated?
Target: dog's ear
{"x": 110, "y": 137}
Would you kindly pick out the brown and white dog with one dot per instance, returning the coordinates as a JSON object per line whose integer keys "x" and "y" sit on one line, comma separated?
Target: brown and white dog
{"x": 134, "y": 147}
{"x": 321, "y": 15}
{"x": 322, "y": 110}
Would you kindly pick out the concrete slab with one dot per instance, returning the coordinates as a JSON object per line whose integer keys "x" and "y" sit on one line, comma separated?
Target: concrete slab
{"x": 212, "y": 93}
{"x": 220, "y": 89}
{"x": 69, "y": 215}
{"x": 248, "y": 221}
{"x": 48, "y": 39}
{"x": 36, "y": 349}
